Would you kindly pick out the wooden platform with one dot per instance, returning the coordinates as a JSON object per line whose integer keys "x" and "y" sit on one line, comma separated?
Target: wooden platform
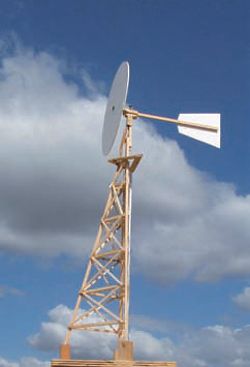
{"x": 109, "y": 363}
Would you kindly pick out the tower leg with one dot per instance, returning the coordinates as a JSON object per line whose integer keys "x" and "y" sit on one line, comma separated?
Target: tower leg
{"x": 124, "y": 351}
{"x": 65, "y": 352}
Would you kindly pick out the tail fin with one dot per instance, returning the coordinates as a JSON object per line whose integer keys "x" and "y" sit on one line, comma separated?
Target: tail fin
{"x": 209, "y": 119}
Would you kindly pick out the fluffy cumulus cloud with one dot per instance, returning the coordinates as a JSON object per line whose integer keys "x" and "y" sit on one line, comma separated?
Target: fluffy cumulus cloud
{"x": 216, "y": 346}
{"x": 189, "y": 224}
{"x": 243, "y": 299}
{"x": 24, "y": 362}
{"x": 91, "y": 345}
{"x": 48, "y": 159}
{"x": 54, "y": 180}
{"x": 84, "y": 345}
{"x": 206, "y": 347}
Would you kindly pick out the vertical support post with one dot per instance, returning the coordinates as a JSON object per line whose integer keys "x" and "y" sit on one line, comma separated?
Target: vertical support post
{"x": 125, "y": 348}
{"x": 127, "y": 228}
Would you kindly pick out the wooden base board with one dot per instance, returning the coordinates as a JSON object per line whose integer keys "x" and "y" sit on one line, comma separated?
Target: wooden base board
{"x": 109, "y": 363}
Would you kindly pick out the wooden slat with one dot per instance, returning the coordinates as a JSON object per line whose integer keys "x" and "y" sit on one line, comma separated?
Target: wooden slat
{"x": 106, "y": 253}
{"x": 123, "y": 159}
{"x": 109, "y": 363}
{"x": 135, "y": 162}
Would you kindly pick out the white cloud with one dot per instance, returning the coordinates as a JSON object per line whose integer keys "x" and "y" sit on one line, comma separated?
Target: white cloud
{"x": 94, "y": 345}
{"x": 216, "y": 346}
{"x": 54, "y": 180}
{"x": 5, "y": 363}
{"x": 6, "y": 290}
{"x": 24, "y": 362}
{"x": 148, "y": 347}
{"x": 211, "y": 346}
{"x": 50, "y": 136}
{"x": 243, "y": 299}
{"x": 84, "y": 345}
{"x": 33, "y": 362}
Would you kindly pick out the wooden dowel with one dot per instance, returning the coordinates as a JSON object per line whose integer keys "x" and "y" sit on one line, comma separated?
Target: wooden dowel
{"x": 194, "y": 125}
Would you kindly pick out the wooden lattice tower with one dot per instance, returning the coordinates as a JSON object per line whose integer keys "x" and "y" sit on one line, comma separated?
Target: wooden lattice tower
{"x": 103, "y": 300}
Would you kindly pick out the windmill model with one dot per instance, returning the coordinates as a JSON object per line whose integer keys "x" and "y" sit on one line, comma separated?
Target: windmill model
{"x": 103, "y": 300}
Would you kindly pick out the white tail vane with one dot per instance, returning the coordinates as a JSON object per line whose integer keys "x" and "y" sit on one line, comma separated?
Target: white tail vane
{"x": 206, "y": 136}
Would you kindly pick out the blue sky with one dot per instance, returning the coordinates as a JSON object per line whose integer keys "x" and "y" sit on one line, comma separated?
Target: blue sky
{"x": 58, "y": 59}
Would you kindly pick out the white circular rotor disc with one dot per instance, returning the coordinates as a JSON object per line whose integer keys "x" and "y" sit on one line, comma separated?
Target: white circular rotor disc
{"x": 114, "y": 110}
